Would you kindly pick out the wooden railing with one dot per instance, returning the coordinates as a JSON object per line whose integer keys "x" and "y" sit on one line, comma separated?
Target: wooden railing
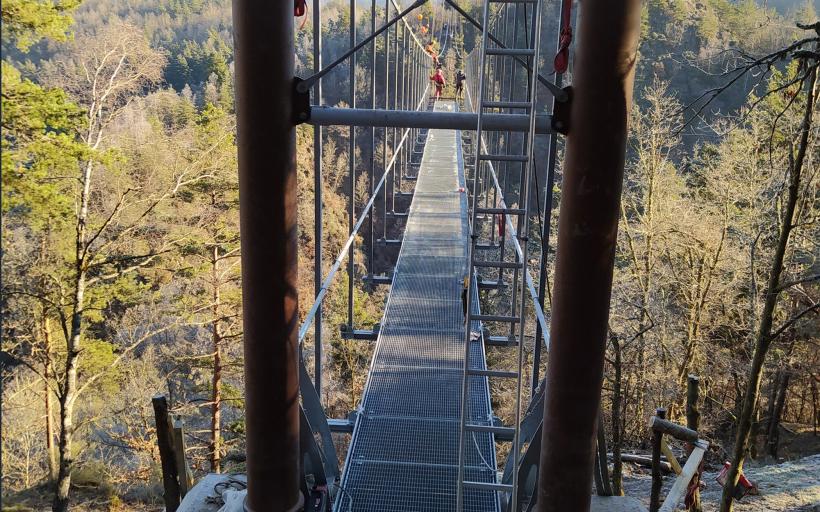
{"x": 660, "y": 426}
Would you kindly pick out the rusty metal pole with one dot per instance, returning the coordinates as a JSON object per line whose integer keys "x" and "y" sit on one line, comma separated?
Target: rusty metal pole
{"x": 266, "y": 140}
{"x": 587, "y": 233}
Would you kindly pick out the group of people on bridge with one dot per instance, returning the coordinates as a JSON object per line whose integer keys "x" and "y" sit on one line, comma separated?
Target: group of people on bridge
{"x": 438, "y": 76}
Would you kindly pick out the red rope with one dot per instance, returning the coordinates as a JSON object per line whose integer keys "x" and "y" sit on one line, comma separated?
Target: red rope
{"x": 299, "y": 10}
{"x": 562, "y": 58}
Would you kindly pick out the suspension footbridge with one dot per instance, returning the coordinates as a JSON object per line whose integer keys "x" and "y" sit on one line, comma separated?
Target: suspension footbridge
{"x": 424, "y": 436}
{"x": 404, "y": 447}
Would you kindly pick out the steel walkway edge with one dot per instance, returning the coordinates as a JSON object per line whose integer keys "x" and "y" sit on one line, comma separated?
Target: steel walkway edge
{"x": 403, "y": 455}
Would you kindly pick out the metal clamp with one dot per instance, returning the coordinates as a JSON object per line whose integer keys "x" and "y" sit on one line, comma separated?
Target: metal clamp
{"x": 301, "y": 102}
{"x": 561, "y": 113}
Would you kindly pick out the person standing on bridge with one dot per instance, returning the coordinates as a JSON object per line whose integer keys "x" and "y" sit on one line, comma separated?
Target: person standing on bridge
{"x": 460, "y": 77}
{"x": 438, "y": 79}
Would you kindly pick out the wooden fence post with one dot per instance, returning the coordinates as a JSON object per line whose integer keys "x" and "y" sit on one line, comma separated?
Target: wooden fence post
{"x": 692, "y": 421}
{"x": 657, "y": 436}
{"x": 170, "y": 481}
{"x": 184, "y": 475}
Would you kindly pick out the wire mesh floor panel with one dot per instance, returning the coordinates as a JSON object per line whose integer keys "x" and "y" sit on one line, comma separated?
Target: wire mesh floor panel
{"x": 411, "y": 487}
{"x": 404, "y": 452}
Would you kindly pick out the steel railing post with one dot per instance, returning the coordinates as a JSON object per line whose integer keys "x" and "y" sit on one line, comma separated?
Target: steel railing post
{"x": 317, "y": 200}
{"x": 266, "y": 144}
{"x": 590, "y": 196}
{"x": 371, "y": 261}
{"x": 386, "y": 131}
{"x": 351, "y": 156}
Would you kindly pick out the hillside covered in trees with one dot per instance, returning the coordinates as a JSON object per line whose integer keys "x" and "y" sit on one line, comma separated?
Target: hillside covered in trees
{"x": 120, "y": 238}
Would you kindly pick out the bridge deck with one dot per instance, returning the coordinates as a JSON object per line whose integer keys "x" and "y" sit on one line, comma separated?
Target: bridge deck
{"x": 403, "y": 454}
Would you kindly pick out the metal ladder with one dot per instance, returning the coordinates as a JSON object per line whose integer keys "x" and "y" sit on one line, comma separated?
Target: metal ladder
{"x": 484, "y": 160}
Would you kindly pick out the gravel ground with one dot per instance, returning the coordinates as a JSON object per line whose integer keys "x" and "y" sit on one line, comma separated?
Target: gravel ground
{"x": 789, "y": 486}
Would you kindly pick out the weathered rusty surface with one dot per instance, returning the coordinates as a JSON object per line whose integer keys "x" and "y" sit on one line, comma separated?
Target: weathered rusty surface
{"x": 587, "y": 234}
{"x": 263, "y": 35}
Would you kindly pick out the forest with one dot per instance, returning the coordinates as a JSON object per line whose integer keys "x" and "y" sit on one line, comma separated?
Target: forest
{"x": 121, "y": 255}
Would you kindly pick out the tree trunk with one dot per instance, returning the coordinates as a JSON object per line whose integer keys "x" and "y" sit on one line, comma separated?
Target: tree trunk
{"x": 69, "y": 390}
{"x": 216, "y": 400}
{"x": 773, "y": 436}
{"x": 764, "y": 334}
{"x": 67, "y": 401}
{"x": 49, "y": 406}
{"x": 51, "y": 452}
{"x": 617, "y": 438}
{"x": 755, "y": 434}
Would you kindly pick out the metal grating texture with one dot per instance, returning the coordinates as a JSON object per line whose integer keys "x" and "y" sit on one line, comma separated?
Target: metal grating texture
{"x": 404, "y": 452}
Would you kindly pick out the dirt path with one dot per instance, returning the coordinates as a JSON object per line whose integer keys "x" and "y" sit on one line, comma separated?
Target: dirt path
{"x": 789, "y": 486}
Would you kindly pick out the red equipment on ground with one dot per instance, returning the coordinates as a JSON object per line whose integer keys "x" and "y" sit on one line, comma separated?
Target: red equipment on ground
{"x": 743, "y": 487}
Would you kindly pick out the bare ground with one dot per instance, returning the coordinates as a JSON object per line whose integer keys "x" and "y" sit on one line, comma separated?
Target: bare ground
{"x": 789, "y": 486}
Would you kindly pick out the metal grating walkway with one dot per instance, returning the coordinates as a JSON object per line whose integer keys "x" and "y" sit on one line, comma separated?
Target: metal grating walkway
{"x": 403, "y": 455}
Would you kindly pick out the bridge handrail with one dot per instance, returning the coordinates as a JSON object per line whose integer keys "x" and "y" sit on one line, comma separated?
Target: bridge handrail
{"x": 539, "y": 313}
{"x": 320, "y": 297}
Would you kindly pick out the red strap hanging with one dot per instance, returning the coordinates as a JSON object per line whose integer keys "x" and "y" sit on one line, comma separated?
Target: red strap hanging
{"x": 562, "y": 58}
{"x": 299, "y": 8}
{"x": 502, "y": 224}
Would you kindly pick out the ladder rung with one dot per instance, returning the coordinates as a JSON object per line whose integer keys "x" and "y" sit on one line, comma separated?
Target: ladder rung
{"x": 488, "y": 285}
{"x": 495, "y": 318}
{"x": 504, "y": 431}
{"x": 492, "y": 373}
{"x": 498, "y": 264}
{"x": 525, "y": 52}
{"x": 506, "y": 104}
{"x": 506, "y": 211}
{"x": 487, "y": 247}
{"x": 502, "y": 341}
{"x": 486, "y": 486}
{"x": 503, "y": 158}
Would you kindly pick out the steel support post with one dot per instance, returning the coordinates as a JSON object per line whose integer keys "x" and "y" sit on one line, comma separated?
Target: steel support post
{"x": 494, "y": 135}
{"x": 386, "y": 106}
{"x": 552, "y": 150}
{"x": 412, "y": 136}
{"x": 317, "y": 200}
{"x": 523, "y": 189}
{"x": 403, "y": 103}
{"x": 351, "y": 157}
{"x": 396, "y": 134}
{"x": 587, "y": 235}
{"x": 266, "y": 143}
{"x": 411, "y": 87}
{"x": 403, "y": 92}
{"x": 371, "y": 262}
